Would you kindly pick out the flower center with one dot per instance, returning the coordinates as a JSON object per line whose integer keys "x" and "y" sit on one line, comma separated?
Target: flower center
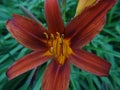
{"x": 59, "y": 47}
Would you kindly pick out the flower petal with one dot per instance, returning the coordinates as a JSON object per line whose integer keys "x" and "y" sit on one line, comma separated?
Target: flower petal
{"x": 27, "y": 63}
{"x": 27, "y": 32}
{"x": 89, "y": 33}
{"x": 90, "y": 62}
{"x": 53, "y": 16}
{"x": 88, "y": 24}
{"x": 56, "y": 77}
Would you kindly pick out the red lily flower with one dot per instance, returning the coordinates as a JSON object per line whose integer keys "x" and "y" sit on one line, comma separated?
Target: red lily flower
{"x": 62, "y": 44}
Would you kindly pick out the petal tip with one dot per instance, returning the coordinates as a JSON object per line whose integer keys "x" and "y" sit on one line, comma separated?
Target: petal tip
{"x": 8, "y": 75}
{"x": 8, "y": 24}
{"x": 8, "y": 21}
{"x": 105, "y": 73}
{"x": 14, "y": 15}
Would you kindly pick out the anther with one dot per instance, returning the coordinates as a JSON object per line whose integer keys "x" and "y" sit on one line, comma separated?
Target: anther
{"x": 58, "y": 34}
{"x": 62, "y": 36}
{"x": 52, "y": 37}
{"x": 46, "y": 35}
{"x": 52, "y": 49}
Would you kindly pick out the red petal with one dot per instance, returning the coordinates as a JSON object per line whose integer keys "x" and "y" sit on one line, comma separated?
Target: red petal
{"x": 27, "y": 63}
{"x": 56, "y": 77}
{"x": 85, "y": 26}
{"x": 53, "y": 16}
{"x": 89, "y": 32}
{"x": 90, "y": 62}
{"x": 26, "y": 31}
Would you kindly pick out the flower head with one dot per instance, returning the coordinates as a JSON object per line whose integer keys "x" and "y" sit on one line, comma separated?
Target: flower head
{"x": 62, "y": 44}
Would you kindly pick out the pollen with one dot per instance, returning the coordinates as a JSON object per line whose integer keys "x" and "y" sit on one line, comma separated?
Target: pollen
{"x": 58, "y": 47}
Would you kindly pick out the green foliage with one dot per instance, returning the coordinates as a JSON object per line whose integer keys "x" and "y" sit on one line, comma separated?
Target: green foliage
{"x": 105, "y": 45}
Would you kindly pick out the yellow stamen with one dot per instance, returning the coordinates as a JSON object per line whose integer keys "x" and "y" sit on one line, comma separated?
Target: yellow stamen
{"x": 52, "y": 37}
{"x": 58, "y": 34}
{"x": 62, "y": 36}
{"x": 46, "y": 35}
{"x": 59, "y": 47}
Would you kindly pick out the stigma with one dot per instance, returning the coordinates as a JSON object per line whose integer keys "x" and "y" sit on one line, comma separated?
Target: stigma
{"x": 58, "y": 47}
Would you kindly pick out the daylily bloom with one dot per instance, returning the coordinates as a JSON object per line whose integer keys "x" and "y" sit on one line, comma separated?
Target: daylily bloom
{"x": 62, "y": 44}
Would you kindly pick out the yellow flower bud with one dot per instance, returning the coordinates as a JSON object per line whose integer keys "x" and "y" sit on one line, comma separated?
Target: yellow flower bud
{"x": 82, "y": 4}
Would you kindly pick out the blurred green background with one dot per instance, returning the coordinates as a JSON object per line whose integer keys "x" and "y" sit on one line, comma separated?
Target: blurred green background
{"x": 105, "y": 45}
